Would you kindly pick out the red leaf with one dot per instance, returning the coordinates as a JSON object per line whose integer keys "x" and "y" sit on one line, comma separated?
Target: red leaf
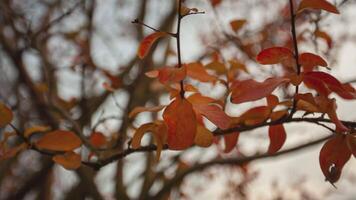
{"x": 147, "y": 43}
{"x": 309, "y": 61}
{"x": 314, "y": 79}
{"x": 272, "y": 101}
{"x": 333, "y": 156}
{"x": 317, "y": 4}
{"x": 230, "y": 141}
{"x": 277, "y": 137}
{"x": 274, "y": 55}
{"x": 251, "y": 90}
{"x": 351, "y": 143}
{"x": 317, "y": 85}
{"x": 181, "y": 121}
{"x": 215, "y": 2}
{"x": 214, "y": 114}
{"x": 97, "y": 139}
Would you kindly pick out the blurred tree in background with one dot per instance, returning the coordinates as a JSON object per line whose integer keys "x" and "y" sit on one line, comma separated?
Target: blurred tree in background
{"x": 83, "y": 81}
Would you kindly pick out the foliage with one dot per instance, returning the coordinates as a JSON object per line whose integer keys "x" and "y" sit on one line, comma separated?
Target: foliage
{"x": 191, "y": 118}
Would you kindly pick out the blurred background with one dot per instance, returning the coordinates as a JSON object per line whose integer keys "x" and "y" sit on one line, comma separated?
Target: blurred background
{"x": 68, "y": 52}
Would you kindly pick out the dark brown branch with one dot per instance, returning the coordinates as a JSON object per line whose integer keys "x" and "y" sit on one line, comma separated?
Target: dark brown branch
{"x": 296, "y": 52}
{"x": 232, "y": 161}
{"x": 119, "y": 155}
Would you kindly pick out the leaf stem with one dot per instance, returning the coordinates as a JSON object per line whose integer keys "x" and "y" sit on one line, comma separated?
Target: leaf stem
{"x": 296, "y": 53}
{"x": 179, "y": 56}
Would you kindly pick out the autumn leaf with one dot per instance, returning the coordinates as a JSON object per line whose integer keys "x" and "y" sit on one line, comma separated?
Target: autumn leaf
{"x": 11, "y": 152}
{"x": 159, "y": 131}
{"x": 197, "y": 71}
{"x": 182, "y": 124}
{"x": 5, "y": 115}
{"x": 36, "y": 129}
{"x": 277, "y": 137}
{"x": 329, "y": 106}
{"x": 237, "y": 24}
{"x": 251, "y": 90}
{"x": 147, "y": 43}
{"x": 203, "y": 137}
{"x": 309, "y": 61}
{"x": 97, "y": 139}
{"x": 197, "y": 98}
{"x": 274, "y": 55}
{"x": 324, "y": 83}
{"x": 214, "y": 3}
{"x": 140, "y": 109}
{"x": 230, "y": 141}
{"x": 167, "y": 75}
{"x": 59, "y": 140}
{"x": 272, "y": 101}
{"x": 70, "y": 160}
{"x": 217, "y": 66}
{"x": 253, "y": 116}
{"x": 333, "y": 156}
{"x": 325, "y": 36}
{"x": 317, "y": 4}
{"x": 351, "y": 143}
{"x": 214, "y": 114}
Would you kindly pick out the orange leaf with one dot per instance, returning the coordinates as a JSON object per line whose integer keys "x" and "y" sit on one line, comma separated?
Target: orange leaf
{"x": 251, "y": 90}
{"x": 277, "y": 137}
{"x": 69, "y": 160}
{"x": 274, "y": 55}
{"x": 197, "y": 71}
{"x": 278, "y": 114}
{"x": 9, "y": 153}
{"x": 237, "y": 24}
{"x": 140, "y": 109}
{"x": 237, "y": 65}
{"x": 325, "y": 36}
{"x": 329, "y": 106}
{"x": 182, "y": 124}
{"x": 159, "y": 131}
{"x": 255, "y": 115}
{"x": 59, "y": 140}
{"x": 147, "y": 43}
{"x": 217, "y": 66}
{"x": 203, "y": 137}
{"x": 317, "y": 4}
{"x": 36, "y": 129}
{"x": 5, "y": 115}
{"x": 168, "y": 74}
{"x": 309, "y": 61}
{"x": 197, "y": 98}
{"x": 230, "y": 141}
{"x": 97, "y": 139}
{"x": 214, "y": 114}
{"x": 333, "y": 156}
